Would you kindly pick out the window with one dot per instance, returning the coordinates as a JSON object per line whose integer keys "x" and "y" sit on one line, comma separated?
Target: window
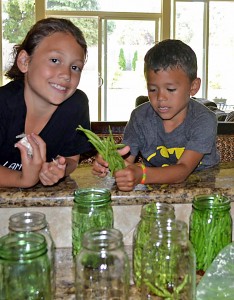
{"x": 209, "y": 33}
{"x": 17, "y": 18}
{"x": 119, "y": 34}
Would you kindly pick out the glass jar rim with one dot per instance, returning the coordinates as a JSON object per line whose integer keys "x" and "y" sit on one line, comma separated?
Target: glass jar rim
{"x": 27, "y": 221}
{"x": 157, "y": 209}
{"x": 22, "y": 246}
{"x": 92, "y": 196}
{"x": 102, "y": 238}
{"x": 211, "y": 201}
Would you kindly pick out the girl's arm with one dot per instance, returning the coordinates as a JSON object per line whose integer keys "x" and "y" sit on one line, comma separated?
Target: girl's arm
{"x": 31, "y": 165}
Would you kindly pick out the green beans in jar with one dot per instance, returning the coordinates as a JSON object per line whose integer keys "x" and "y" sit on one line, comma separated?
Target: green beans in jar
{"x": 210, "y": 228}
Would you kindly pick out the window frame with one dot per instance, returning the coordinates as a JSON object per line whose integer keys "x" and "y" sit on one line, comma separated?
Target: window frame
{"x": 167, "y": 30}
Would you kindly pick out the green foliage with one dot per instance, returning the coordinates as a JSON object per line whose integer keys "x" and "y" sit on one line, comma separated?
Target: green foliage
{"x": 122, "y": 61}
{"x": 20, "y": 19}
{"x": 91, "y": 5}
{"x": 134, "y": 60}
{"x": 87, "y": 25}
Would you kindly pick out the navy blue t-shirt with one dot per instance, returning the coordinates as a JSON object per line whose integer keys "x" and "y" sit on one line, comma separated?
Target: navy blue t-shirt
{"x": 59, "y": 134}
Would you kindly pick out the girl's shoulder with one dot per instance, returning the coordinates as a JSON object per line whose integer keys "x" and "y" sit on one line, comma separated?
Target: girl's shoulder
{"x": 11, "y": 88}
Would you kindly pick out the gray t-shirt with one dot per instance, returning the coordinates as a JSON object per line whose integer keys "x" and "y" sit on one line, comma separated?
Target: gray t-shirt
{"x": 145, "y": 134}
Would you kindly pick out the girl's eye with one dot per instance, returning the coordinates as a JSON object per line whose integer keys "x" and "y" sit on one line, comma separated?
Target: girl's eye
{"x": 76, "y": 68}
{"x": 171, "y": 90}
{"x": 55, "y": 60}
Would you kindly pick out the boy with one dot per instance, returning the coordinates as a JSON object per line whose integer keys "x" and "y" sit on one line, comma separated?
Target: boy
{"x": 174, "y": 134}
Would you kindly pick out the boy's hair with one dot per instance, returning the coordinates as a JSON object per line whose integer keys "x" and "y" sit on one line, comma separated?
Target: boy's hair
{"x": 44, "y": 28}
{"x": 171, "y": 54}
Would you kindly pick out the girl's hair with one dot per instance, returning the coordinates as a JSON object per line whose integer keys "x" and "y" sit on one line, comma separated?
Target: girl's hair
{"x": 171, "y": 54}
{"x": 37, "y": 33}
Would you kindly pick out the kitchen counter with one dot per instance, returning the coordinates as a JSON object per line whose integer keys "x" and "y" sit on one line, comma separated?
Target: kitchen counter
{"x": 65, "y": 289}
{"x": 56, "y": 202}
{"x": 219, "y": 179}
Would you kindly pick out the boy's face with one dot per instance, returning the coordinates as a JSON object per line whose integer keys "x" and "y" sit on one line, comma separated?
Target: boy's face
{"x": 169, "y": 92}
{"x": 53, "y": 72}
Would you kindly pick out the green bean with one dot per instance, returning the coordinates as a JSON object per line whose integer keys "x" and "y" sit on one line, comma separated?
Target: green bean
{"x": 107, "y": 148}
{"x": 209, "y": 233}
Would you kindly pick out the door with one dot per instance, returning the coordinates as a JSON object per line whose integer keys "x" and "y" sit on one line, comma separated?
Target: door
{"x": 113, "y": 76}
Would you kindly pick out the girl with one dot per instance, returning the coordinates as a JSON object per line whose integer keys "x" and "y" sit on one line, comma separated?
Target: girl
{"x": 42, "y": 102}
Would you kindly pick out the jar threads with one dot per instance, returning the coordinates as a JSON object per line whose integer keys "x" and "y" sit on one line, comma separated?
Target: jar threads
{"x": 169, "y": 263}
{"x": 91, "y": 209}
{"x": 35, "y": 221}
{"x": 102, "y": 266}
{"x": 24, "y": 267}
{"x": 151, "y": 215}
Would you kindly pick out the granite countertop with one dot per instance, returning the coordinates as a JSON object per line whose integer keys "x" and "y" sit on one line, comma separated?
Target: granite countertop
{"x": 65, "y": 289}
{"x": 219, "y": 180}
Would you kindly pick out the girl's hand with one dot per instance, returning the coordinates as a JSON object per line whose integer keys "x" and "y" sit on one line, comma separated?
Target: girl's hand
{"x": 31, "y": 165}
{"x": 53, "y": 171}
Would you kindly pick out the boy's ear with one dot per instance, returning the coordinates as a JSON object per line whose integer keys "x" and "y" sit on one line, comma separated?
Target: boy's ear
{"x": 195, "y": 86}
{"x": 22, "y": 61}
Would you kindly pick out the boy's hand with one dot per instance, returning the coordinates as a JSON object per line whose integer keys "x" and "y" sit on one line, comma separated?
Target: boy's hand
{"x": 53, "y": 171}
{"x": 128, "y": 178}
{"x": 100, "y": 166}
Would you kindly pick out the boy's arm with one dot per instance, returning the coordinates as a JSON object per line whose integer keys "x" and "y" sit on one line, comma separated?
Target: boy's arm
{"x": 127, "y": 178}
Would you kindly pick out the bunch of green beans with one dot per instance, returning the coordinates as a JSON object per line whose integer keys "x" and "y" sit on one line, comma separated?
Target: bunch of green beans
{"x": 161, "y": 276}
{"x": 210, "y": 232}
{"x": 107, "y": 148}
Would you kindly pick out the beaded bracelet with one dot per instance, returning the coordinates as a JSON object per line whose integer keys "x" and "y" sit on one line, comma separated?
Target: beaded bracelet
{"x": 144, "y": 173}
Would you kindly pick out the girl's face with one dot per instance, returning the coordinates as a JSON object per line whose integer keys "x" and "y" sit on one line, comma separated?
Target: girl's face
{"x": 53, "y": 72}
{"x": 169, "y": 92}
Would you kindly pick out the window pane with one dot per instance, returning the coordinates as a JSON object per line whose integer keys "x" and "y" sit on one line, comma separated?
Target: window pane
{"x": 89, "y": 76}
{"x": 189, "y": 29}
{"x": 18, "y": 17}
{"x": 221, "y": 52}
{"x": 126, "y": 47}
{"x": 106, "y": 5}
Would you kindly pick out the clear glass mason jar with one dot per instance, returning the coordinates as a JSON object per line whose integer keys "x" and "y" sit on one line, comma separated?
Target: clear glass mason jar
{"x": 102, "y": 269}
{"x": 210, "y": 228}
{"x": 151, "y": 215}
{"x": 169, "y": 263}
{"x": 24, "y": 267}
{"x": 91, "y": 209}
{"x": 35, "y": 221}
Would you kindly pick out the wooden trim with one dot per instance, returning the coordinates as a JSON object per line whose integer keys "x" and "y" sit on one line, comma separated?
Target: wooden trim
{"x": 118, "y": 127}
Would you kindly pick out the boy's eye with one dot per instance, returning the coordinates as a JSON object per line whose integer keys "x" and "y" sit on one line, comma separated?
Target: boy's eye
{"x": 171, "y": 90}
{"x": 151, "y": 88}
